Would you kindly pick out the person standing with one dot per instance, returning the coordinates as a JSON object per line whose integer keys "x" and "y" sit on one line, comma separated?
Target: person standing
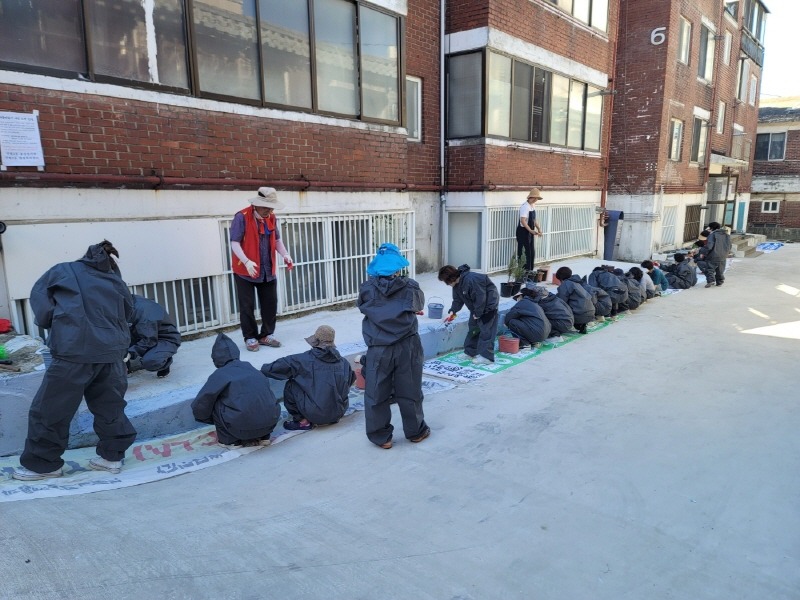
{"x": 527, "y": 228}
{"x": 317, "y": 382}
{"x": 87, "y": 307}
{"x": 393, "y": 372}
{"x": 154, "y": 337}
{"x": 717, "y": 248}
{"x": 255, "y": 238}
{"x": 479, "y": 293}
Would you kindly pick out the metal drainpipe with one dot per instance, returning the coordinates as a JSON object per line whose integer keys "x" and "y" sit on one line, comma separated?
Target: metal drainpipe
{"x": 442, "y": 169}
{"x": 718, "y": 48}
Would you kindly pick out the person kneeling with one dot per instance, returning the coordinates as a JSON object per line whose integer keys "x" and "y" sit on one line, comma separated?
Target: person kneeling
{"x": 236, "y": 399}
{"x": 318, "y": 382}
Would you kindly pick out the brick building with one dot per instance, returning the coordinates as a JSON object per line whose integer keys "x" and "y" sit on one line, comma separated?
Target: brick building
{"x": 685, "y": 114}
{"x": 775, "y": 201}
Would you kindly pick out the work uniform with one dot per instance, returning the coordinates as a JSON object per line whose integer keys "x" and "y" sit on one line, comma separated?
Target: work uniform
{"x": 154, "y": 337}
{"x": 479, "y": 293}
{"x": 527, "y": 320}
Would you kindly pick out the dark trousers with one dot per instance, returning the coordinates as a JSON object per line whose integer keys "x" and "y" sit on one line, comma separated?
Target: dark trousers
{"x": 159, "y": 356}
{"x": 56, "y": 402}
{"x": 480, "y": 337}
{"x": 267, "y": 292}
{"x": 394, "y": 373}
{"x": 714, "y": 271}
{"x": 525, "y": 243}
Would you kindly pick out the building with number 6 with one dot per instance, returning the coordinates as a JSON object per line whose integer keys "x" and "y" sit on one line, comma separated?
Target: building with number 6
{"x": 687, "y": 79}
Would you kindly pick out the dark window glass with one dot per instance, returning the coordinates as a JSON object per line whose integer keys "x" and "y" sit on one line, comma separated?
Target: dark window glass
{"x": 762, "y": 146}
{"x": 699, "y": 137}
{"x": 521, "y": 101}
{"x": 44, "y": 33}
{"x": 286, "y": 45}
{"x": 335, "y": 54}
{"x": 777, "y": 142}
{"x": 119, "y": 39}
{"x": 227, "y": 49}
{"x": 464, "y": 84}
{"x": 379, "y": 68}
{"x": 170, "y": 23}
{"x": 541, "y": 106}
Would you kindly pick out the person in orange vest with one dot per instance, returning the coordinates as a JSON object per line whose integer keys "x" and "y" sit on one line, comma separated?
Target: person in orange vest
{"x": 255, "y": 240}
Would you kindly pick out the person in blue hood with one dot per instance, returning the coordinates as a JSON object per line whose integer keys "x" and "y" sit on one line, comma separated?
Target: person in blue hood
{"x": 318, "y": 382}
{"x": 393, "y": 372}
{"x": 236, "y": 399}
{"x": 87, "y": 307}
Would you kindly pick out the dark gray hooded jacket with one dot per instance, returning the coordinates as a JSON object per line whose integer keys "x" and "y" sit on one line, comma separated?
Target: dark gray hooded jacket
{"x": 572, "y": 292}
{"x": 718, "y": 246}
{"x": 475, "y": 290}
{"x": 558, "y": 312}
{"x": 151, "y": 323}
{"x": 527, "y": 319}
{"x": 601, "y": 299}
{"x": 682, "y": 276}
{"x": 87, "y": 308}
{"x": 318, "y": 382}
{"x": 237, "y": 395}
{"x": 617, "y": 291}
{"x": 390, "y": 306}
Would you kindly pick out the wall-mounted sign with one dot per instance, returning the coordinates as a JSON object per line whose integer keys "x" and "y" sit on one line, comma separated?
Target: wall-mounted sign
{"x": 657, "y": 36}
{"x": 20, "y": 142}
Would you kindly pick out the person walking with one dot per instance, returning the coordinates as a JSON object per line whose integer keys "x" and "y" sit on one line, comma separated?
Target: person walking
{"x": 87, "y": 307}
{"x": 527, "y": 228}
{"x": 255, "y": 238}
{"x": 154, "y": 338}
{"x": 393, "y": 372}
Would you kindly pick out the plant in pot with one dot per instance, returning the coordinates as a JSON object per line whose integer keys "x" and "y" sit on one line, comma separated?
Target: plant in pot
{"x": 516, "y": 273}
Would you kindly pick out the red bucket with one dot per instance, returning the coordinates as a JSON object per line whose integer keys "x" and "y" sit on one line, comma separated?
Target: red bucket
{"x": 508, "y": 344}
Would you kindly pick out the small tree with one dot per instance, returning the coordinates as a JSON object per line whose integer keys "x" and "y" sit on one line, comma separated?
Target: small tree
{"x": 516, "y": 267}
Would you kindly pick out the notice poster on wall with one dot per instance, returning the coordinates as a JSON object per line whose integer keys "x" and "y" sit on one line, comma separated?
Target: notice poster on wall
{"x": 20, "y": 142}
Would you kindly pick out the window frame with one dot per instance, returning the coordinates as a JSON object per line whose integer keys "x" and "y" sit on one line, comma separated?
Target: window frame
{"x": 698, "y": 153}
{"x": 594, "y": 13}
{"x": 191, "y": 48}
{"x": 728, "y": 45}
{"x": 770, "y": 206}
{"x": 769, "y": 156}
{"x": 685, "y": 41}
{"x": 753, "y": 93}
{"x": 674, "y": 153}
{"x": 418, "y": 101}
{"x": 707, "y": 52}
{"x": 721, "y": 110}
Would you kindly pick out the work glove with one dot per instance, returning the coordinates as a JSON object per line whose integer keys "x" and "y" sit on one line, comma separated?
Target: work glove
{"x": 252, "y": 268}
{"x": 486, "y": 318}
{"x": 450, "y": 317}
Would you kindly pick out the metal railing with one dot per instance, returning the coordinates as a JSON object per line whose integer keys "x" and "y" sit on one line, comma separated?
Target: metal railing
{"x": 567, "y": 230}
{"x": 668, "y": 226}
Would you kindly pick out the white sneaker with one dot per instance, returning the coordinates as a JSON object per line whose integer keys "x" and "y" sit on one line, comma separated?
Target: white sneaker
{"x": 555, "y": 339}
{"x": 99, "y": 463}
{"x": 23, "y": 474}
{"x": 265, "y": 442}
{"x": 482, "y": 360}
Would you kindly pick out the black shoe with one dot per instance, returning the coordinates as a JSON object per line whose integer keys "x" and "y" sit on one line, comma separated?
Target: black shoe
{"x": 582, "y": 329}
{"x": 293, "y": 425}
{"x": 162, "y": 373}
{"x": 720, "y": 283}
{"x": 708, "y": 285}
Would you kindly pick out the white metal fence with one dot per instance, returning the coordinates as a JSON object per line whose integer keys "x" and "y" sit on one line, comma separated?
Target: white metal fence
{"x": 668, "y": 226}
{"x": 331, "y": 254}
{"x": 568, "y": 230}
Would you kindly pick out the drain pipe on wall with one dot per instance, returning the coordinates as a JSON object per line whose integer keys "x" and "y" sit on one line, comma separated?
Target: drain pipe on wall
{"x": 442, "y": 171}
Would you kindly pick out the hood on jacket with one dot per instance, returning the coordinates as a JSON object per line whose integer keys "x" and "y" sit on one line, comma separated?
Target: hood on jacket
{"x": 463, "y": 269}
{"x": 97, "y": 258}
{"x": 224, "y": 351}
{"x": 389, "y": 285}
{"x": 327, "y": 353}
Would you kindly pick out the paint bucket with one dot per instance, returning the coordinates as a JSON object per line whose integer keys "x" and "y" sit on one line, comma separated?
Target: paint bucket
{"x": 360, "y": 382}
{"x": 508, "y": 344}
{"x": 435, "y": 309}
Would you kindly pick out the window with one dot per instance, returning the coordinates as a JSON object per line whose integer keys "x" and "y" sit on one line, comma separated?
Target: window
{"x": 699, "y": 139}
{"x": 721, "y": 117}
{"x": 684, "y": 41}
{"x": 770, "y": 146}
{"x": 726, "y": 54}
{"x": 499, "y": 104}
{"x": 675, "y": 139}
{"x": 559, "y": 110}
{"x": 770, "y": 206}
{"x": 592, "y": 12}
{"x": 753, "y": 90}
{"x": 414, "y": 108}
{"x": 732, "y": 8}
{"x": 705, "y": 65}
{"x": 744, "y": 78}
{"x": 521, "y": 96}
{"x": 594, "y": 118}
{"x": 259, "y": 52}
{"x": 464, "y": 84}
{"x": 754, "y": 19}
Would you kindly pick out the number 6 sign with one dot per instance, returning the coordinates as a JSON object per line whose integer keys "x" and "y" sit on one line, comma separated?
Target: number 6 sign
{"x": 657, "y": 36}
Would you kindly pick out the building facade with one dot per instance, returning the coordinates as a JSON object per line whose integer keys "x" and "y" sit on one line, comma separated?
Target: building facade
{"x": 775, "y": 202}
{"x": 685, "y": 113}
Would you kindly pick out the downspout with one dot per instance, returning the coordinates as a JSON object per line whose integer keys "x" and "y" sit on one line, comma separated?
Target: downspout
{"x": 442, "y": 170}
{"x": 603, "y": 220}
{"x": 718, "y": 48}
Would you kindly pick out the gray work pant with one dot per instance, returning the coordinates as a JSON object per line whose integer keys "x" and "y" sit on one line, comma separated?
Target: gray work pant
{"x": 480, "y": 337}
{"x": 56, "y": 402}
{"x": 159, "y": 356}
{"x": 394, "y": 374}
{"x": 714, "y": 271}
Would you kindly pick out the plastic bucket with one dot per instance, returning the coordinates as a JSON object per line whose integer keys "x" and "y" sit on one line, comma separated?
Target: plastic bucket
{"x": 360, "y": 383}
{"x": 435, "y": 309}
{"x": 508, "y": 344}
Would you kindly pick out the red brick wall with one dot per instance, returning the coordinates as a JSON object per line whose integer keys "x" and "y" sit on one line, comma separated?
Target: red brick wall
{"x": 654, "y": 87}
{"x": 790, "y": 165}
{"x": 788, "y": 214}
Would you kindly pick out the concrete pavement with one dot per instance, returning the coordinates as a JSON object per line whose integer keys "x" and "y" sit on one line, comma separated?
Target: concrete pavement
{"x": 656, "y": 458}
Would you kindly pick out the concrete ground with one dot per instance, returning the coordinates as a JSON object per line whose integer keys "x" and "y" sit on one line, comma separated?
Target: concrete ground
{"x": 653, "y": 459}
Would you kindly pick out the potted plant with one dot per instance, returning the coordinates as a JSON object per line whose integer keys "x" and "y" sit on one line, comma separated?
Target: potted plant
{"x": 516, "y": 273}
